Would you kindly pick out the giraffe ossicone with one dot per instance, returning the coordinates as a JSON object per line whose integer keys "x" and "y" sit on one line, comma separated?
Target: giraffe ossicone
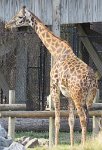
{"x": 70, "y": 75}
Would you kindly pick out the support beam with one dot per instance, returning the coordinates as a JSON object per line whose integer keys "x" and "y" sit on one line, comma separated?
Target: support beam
{"x": 90, "y": 48}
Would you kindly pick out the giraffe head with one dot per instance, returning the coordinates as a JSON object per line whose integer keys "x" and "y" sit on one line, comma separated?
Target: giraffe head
{"x": 23, "y": 18}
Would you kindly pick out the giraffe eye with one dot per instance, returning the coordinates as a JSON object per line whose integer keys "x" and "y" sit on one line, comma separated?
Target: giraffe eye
{"x": 20, "y": 17}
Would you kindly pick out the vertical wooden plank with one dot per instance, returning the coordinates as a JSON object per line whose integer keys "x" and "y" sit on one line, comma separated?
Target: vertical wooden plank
{"x": 85, "y": 6}
{"x": 55, "y": 20}
{"x": 64, "y": 11}
{"x": 32, "y": 6}
{"x": 56, "y": 31}
{"x": 2, "y": 9}
{"x": 11, "y": 121}
{"x": 43, "y": 11}
{"x": 73, "y": 6}
{"x": 56, "y": 17}
{"x": 94, "y": 11}
{"x": 37, "y": 8}
{"x": 17, "y": 6}
{"x": 49, "y": 12}
{"x": 90, "y": 11}
{"x": 99, "y": 10}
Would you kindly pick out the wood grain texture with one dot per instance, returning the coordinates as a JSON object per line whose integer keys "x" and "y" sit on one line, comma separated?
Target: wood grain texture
{"x": 43, "y": 114}
{"x": 72, "y": 11}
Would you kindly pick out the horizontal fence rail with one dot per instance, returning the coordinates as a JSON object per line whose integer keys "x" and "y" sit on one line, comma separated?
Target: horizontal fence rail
{"x": 6, "y": 107}
{"x": 15, "y": 107}
{"x": 19, "y": 111}
{"x": 42, "y": 114}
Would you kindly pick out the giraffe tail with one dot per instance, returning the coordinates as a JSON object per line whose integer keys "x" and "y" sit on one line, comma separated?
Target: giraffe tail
{"x": 92, "y": 94}
{"x": 87, "y": 114}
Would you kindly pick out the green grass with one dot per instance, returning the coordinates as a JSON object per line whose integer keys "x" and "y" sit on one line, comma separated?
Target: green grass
{"x": 64, "y": 141}
{"x": 32, "y": 134}
{"x": 90, "y": 145}
{"x": 64, "y": 137}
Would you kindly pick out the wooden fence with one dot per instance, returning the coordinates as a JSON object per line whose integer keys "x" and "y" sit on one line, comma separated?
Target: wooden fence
{"x": 13, "y": 111}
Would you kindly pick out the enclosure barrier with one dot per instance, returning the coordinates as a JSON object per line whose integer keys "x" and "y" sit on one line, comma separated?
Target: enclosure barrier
{"x": 43, "y": 114}
{"x": 37, "y": 114}
{"x": 13, "y": 107}
{"x": 11, "y": 121}
{"x": 18, "y": 107}
{"x": 13, "y": 111}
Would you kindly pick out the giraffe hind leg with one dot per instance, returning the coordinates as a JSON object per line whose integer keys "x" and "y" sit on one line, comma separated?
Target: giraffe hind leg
{"x": 82, "y": 117}
{"x": 71, "y": 121}
{"x": 89, "y": 100}
{"x": 87, "y": 114}
{"x": 55, "y": 92}
{"x": 91, "y": 96}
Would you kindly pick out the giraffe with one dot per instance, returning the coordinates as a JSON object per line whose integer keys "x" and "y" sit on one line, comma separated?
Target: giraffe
{"x": 69, "y": 74}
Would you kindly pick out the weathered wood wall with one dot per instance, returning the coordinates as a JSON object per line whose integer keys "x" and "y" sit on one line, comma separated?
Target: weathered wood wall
{"x": 72, "y": 11}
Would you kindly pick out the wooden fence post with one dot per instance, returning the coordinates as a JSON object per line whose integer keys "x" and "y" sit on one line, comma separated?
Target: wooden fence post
{"x": 56, "y": 31}
{"x": 11, "y": 121}
{"x": 51, "y": 124}
{"x": 96, "y": 119}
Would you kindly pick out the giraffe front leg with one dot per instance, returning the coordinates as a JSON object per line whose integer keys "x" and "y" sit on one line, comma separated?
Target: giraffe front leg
{"x": 57, "y": 122}
{"x": 71, "y": 121}
{"x": 55, "y": 93}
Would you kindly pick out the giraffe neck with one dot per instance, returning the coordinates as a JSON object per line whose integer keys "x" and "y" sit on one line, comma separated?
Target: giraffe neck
{"x": 54, "y": 44}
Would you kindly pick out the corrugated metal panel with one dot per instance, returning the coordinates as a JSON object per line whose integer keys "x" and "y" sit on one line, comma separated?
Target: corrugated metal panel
{"x": 72, "y": 11}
